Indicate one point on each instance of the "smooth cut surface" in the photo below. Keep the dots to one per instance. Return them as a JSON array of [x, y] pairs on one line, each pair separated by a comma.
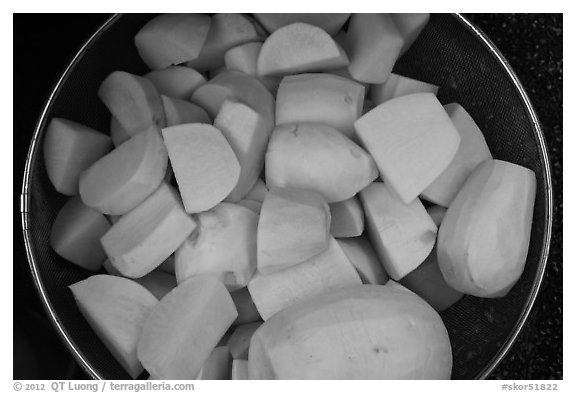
[[330, 23], [218, 365], [240, 369], [347, 218], [181, 112], [239, 341], [159, 283], [258, 192], [177, 81], [361, 254], [398, 86]]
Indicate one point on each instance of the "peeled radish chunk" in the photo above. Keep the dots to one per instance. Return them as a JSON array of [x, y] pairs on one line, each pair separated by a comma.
[[293, 227], [247, 311], [324, 272], [347, 218], [76, 234], [118, 134], [330, 23], [122, 179], [133, 100], [116, 309], [158, 283], [359, 332], [218, 365], [484, 238], [410, 26], [412, 140], [243, 87], [361, 254], [182, 112], [437, 214], [204, 164], [299, 47], [70, 148], [244, 58], [255, 206], [258, 192], [320, 98], [172, 39], [373, 45], [402, 234], [239, 341], [183, 329], [240, 369], [226, 31], [397, 86], [147, 235], [319, 158], [247, 132], [224, 245], [471, 152], [176, 82]]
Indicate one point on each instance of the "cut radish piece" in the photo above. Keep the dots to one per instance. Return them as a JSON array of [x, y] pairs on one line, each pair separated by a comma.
[[218, 366], [116, 309], [244, 58], [319, 158], [240, 369], [299, 47], [330, 23], [410, 26], [437, 214], [247, 311], [320, 98], [122, 179], [373, 45], [224, 245], [412, 140], [76, 234], [70, 148], [239, 341], [176, 82], [361, 254], [248, 132], [183, 329], [484, 238], [324, 272], [118, 133], [255, 206], [204, 164], [172, 39], [471, 152], [258, 192], [226, 31], [133, 101], [182, 112], [110, 269], [293, 227], [403, 235], [158, 283], [147, 235], [347, 218], [398, 86]]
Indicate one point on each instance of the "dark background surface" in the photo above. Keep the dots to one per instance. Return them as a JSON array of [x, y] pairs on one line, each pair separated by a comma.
[[43, 46]]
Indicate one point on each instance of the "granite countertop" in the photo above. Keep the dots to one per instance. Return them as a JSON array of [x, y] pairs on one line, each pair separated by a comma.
[[532, 44]]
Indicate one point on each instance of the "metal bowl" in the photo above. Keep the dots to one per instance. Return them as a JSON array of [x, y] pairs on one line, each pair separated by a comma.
[[450, 52]]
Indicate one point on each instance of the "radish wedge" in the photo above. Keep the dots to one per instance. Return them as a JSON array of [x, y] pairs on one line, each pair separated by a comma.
[[158, 283], [299, 47], [403, 235], [218, 366], [176, 82], [319, 158], [320, 98], [247, 311], [133, 100], [293, 227], [412, 140], [172, 39], [361, 254], [184, 328], [224, 245], [116, 309], [122, 179], [258, 192], [118, 133], [70, 148], [347, 218], [204, 164], [244, 58], [471, 152], [76, 234], [148, 234], [239, 341], [255, 206], [410, 26], [322, 273], [182, 112], [248, 132], [240, 369], [397, 86], [373, 45], [330, 23]]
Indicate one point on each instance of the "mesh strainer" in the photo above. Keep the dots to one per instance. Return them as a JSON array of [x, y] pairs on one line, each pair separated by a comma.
[[450, 52]]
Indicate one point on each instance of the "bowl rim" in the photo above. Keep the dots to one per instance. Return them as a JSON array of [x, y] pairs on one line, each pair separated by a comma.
[[34, 149]]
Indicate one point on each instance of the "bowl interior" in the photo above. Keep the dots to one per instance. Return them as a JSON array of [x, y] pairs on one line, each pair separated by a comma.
[[447, 54]]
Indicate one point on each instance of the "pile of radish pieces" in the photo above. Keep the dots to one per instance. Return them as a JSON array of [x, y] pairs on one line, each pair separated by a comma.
[[255, 211]]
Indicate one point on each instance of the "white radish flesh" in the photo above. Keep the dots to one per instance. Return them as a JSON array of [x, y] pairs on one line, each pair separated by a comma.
[[218, 366], [330, 23], [347, 218], [397, 86], [258, 192], [361, 254], [240, 369], [181, 112], [118, 133], [255, 206], [158, 283], [176, 82], [239, 341]]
